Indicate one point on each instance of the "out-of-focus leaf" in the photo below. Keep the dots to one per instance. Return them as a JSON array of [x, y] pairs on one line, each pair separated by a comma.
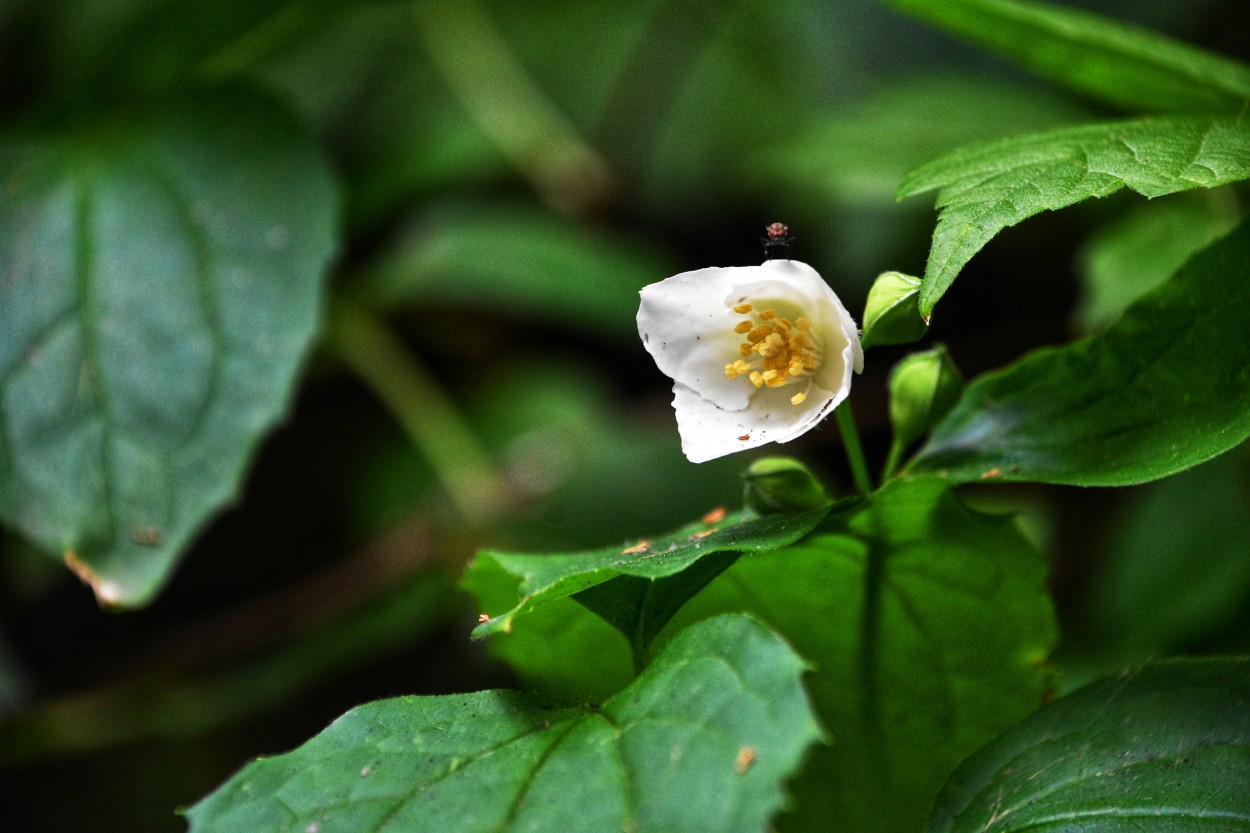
[[702, 740], [1174, 571], [929, 626], [859, 153], [987, 188], [547, 578], [1122, 64], [1121, 262], [1165, 388], [163, 281], [1158, 749], [523, 262]]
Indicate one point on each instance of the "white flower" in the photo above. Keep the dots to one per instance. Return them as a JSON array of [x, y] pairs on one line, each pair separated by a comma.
[[758, 354]]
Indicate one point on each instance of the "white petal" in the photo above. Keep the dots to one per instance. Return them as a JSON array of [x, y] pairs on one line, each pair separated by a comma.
[[688, 330], [708, 432]]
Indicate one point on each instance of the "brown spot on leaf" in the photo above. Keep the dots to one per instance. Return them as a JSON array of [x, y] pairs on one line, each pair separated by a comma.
[[641, 546], [746, 757], [715, 516]]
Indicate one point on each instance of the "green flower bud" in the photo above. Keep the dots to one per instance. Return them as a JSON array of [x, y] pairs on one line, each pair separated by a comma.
[[923, 389], [891, 315], [781, 484]]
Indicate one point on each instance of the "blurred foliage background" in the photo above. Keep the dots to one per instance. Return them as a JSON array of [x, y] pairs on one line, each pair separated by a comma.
[[512, 174]]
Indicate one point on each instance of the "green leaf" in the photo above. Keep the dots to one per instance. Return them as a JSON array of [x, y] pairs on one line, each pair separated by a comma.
[[1118, 63], [928, 625], [1165, 388], [701, 741], [1163, 748], [523, 262], [162, 284], [546, 578], [1121, 262], [858, 153], [1173, 575], [987, 188]]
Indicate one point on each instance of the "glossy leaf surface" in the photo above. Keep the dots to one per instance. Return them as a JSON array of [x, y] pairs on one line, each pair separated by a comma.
[[986, 188], [928, 624], [1165, 388], [547, 578], [1162, 748], [703, 740]]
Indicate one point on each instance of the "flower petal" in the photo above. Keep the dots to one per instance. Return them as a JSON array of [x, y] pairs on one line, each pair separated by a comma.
[[688, 330], [708, 432]]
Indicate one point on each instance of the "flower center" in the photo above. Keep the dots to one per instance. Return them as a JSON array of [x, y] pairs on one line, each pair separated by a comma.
[[776, 352]]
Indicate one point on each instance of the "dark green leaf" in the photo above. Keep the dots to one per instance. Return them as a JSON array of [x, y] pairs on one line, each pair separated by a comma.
[[703, 740], [1163, 748], [928, 624], [987, 188], [546, 578], [162, 283], [521, 261], [1173, 574], [640, 607], [1123, 261], [1119, 63], [1165, 388], [858, 154]]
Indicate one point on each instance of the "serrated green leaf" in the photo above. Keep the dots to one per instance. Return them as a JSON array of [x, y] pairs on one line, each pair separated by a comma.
[[1162, 748], [702, 740], [928, 625], [987, 188], [1165, 388], [1119, 63], [162, 284], [547, 578]]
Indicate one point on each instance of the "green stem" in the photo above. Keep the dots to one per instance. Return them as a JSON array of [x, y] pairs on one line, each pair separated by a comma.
[[892, 460], [483, 72], [854, 451], [418, 403], [258, 43]]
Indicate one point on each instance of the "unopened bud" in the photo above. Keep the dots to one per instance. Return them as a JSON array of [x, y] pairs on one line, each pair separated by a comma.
[[781, 484], [891, 314]]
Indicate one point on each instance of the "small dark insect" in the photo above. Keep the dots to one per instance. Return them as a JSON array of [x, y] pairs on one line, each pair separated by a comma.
[[777, 241]]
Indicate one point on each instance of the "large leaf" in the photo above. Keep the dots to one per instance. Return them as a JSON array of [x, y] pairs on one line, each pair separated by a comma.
[[162, 281], [1164, 748], [679, 560], [701, 741], [987, 188], [1187, 531], [1119, 63], [929, 625], [1165, 388], [1123, 261]]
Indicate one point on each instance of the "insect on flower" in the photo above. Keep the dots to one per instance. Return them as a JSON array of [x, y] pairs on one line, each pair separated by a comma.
[[777, 240]]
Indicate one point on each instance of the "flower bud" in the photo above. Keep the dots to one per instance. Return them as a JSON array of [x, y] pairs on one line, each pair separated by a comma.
[[891, 315], [923, 389], [781, 484]]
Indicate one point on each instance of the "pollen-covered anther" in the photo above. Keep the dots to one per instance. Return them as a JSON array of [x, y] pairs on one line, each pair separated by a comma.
[[777, 350]]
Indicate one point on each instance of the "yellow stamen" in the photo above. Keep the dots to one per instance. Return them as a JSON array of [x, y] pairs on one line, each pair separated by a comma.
[[777, 351]]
